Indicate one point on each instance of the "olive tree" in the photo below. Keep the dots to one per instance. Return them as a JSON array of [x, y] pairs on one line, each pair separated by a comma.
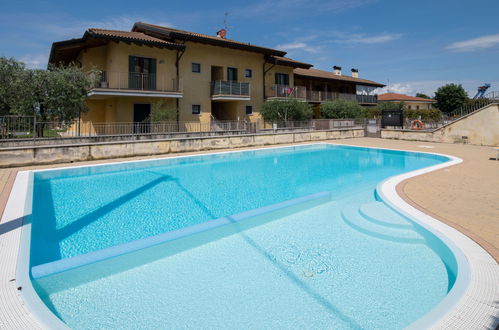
[[284, 110], [341, 109], [58, 93]]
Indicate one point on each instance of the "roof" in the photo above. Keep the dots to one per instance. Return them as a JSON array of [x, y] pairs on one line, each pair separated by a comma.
[[168, 33], [403, 97], [286, 61], [326, 75], [132, 37], [67, 50]]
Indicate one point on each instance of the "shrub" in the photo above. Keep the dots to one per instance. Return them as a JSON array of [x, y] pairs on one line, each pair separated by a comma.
[[371, 112], [161, 111], [341, 109], [391, 106], [284, 110], [425, 115]]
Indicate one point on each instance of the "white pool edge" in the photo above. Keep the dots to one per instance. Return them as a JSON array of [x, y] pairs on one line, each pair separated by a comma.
[[472, 297]]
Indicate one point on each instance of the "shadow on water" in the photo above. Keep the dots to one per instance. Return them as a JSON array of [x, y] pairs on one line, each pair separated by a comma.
[[297, 281], [102, 211], [91, 217]]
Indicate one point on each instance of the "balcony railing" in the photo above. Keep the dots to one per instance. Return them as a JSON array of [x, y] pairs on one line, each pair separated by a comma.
[[321, 96], [367, 98], [137, 81], [284, 91], [230, 88]]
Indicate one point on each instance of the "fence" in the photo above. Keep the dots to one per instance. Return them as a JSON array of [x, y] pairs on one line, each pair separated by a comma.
[[22, 128]]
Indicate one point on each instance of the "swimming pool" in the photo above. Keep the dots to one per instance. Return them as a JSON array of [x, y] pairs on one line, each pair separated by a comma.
[[305, 242]]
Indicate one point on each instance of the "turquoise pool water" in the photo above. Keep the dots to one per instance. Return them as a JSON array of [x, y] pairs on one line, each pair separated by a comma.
[[349, 262]]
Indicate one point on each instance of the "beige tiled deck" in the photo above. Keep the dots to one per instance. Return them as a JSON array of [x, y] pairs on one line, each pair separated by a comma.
[[464, 196]]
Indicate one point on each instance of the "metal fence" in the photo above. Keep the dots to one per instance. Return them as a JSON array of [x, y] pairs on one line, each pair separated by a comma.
[[25, 128]]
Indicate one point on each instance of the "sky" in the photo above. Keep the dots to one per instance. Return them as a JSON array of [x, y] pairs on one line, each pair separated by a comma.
[[412, 46]]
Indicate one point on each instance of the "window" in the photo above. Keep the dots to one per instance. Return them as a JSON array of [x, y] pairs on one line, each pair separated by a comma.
[[232, 74], [248, 73], [141, 72], [249, 109], [196, 67], [282, 79], [417, 107], [409, 107], [196, 109]]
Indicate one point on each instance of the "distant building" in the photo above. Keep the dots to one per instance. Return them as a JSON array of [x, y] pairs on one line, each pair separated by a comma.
[[412, 102]]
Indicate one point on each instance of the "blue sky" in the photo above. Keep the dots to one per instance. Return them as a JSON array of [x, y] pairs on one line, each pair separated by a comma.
[[416, 46]]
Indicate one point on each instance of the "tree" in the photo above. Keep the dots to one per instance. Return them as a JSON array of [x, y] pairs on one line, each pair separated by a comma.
[[424, 96], [284, 110], [450, 97], [391, 106], [58, 93], [11, 77], [341, 109], [160, 111]]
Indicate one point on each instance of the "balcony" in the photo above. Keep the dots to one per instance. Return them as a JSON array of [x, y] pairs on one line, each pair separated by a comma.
[[367, 99], [136, 84], [222, 90], [285, 92], [321, 96]]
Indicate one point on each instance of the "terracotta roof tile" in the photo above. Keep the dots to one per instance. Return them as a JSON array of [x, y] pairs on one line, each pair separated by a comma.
[[402, 97], [131, 36], [288, 61], [314, 73], [168, 32]]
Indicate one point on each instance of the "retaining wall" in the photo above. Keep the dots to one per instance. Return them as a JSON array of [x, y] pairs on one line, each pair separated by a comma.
[[478, 128], [38, 155]]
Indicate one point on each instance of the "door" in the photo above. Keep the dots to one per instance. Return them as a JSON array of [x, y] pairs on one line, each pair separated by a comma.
[[141, 123], [141, 73], [232, 74]]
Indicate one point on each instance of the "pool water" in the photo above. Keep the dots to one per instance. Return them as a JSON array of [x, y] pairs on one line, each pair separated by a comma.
[[349, 262]]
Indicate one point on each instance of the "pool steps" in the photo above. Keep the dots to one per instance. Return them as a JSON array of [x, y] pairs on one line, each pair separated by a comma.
[[377, 220], [169, 243]]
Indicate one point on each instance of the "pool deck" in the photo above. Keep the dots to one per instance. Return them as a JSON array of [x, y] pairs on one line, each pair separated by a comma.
[[463, 196]]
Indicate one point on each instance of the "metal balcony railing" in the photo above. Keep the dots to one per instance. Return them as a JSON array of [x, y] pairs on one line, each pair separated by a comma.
[[137, 81], [285, 91], [367, 98], [229, 88], [322, 96]]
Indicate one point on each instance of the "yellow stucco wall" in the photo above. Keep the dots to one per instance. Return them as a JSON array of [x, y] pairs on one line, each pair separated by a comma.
[[413, 105], [479, 128], [196, 86]]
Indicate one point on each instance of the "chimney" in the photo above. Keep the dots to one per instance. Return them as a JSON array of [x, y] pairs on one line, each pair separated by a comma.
[[355, 73], [222, 33], [337, 70]]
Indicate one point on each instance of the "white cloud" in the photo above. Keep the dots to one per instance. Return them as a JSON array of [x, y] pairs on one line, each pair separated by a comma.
[[475, 44], [75, 28], [429, 87], [36, 61], [368, 39], [293, 45], [297, 46]]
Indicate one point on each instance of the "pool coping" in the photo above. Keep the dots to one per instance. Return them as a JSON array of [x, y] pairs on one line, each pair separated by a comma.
[[473, 304]]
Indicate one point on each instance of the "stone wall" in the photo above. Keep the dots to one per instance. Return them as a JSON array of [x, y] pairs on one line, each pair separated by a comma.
[[38, 155], [478, 128]]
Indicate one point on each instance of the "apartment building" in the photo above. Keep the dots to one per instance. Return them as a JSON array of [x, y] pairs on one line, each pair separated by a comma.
[[195, 77]]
